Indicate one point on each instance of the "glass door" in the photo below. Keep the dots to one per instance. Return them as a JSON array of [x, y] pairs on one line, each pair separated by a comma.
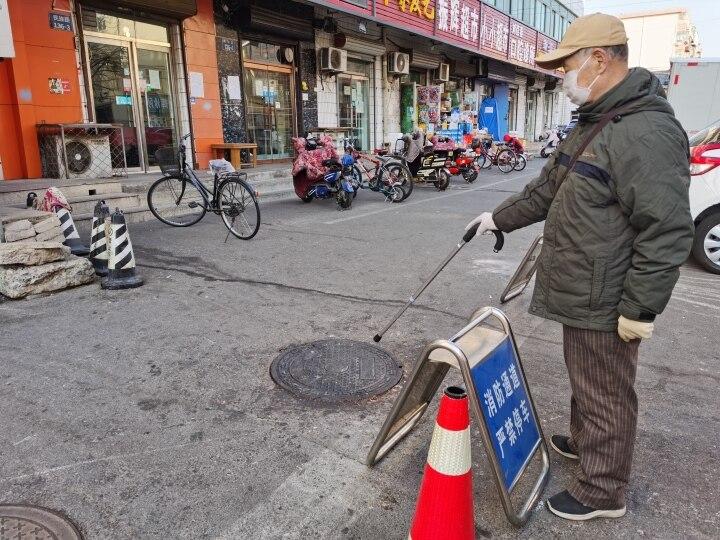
[[131, 82], [530, 112], [114, 93], [153, 66], [353, 104], [269, 109]]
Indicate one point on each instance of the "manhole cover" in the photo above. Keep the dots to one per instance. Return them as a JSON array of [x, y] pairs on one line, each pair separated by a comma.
[[34, 523], [334, 370]]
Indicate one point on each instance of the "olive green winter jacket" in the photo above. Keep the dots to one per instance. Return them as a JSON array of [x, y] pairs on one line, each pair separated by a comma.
[[618, 226]]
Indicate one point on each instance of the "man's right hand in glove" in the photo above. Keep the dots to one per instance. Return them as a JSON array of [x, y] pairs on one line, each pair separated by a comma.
[[485, 224]]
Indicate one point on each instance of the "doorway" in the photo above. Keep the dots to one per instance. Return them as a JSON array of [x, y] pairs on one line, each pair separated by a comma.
[[131, 84], [354, 101], [269, 98], [533, 97]]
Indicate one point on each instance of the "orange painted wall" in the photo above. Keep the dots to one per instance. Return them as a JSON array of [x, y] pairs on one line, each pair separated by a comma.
[[25, 99], [201, 56]]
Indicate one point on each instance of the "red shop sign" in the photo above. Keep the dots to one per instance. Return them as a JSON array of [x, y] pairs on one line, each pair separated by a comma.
[[459, 22], [494, 30], [545, 45], [523, 41], [411, 15]]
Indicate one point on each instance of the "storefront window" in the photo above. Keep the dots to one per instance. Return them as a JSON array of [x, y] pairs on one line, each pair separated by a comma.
[[266, 53], [104, 23], [131, 82], [417, 76]]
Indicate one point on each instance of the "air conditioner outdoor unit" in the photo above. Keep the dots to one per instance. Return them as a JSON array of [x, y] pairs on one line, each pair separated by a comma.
[[87, 157], [442, 73], [333, 60], [399, 63]]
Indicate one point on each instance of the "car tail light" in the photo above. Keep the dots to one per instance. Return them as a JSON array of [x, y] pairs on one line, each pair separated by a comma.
[[704, 158]]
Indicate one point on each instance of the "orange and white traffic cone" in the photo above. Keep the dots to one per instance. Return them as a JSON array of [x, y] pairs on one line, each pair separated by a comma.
[[445, 504]]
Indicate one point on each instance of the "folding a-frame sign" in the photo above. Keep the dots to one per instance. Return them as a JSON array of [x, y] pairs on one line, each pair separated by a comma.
[[499, 398], [524, 272]]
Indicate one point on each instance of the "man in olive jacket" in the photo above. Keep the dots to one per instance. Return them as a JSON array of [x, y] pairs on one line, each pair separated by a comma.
[[617, 227]]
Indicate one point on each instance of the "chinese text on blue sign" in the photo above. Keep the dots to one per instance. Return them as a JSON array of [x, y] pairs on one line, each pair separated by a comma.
[[503, 397]]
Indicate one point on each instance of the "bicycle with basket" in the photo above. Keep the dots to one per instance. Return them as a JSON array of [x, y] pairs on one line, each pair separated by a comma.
[[181, 199]]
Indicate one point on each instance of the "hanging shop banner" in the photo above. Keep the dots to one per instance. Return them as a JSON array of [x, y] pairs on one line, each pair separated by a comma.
[[494, 32], [523, 41], [411, 15], [7, 49], [458, 22]]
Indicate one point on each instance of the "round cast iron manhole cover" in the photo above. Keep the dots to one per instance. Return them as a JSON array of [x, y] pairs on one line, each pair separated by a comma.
[[34, 523], [332, 370]]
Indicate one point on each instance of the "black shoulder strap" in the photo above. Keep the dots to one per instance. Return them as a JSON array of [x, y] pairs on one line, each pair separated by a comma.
[[615, 114]]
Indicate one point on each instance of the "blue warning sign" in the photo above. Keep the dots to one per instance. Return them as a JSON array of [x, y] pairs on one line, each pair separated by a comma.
[[502, 395]]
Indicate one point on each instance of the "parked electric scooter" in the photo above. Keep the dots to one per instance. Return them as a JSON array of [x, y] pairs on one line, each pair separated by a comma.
[[464, 163], [318, 173], [425, 163], [554, 138]]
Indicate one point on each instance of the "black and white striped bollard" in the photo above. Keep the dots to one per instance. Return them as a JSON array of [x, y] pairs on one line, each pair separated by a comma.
[[72, 238], [98, 239], [121, 262]]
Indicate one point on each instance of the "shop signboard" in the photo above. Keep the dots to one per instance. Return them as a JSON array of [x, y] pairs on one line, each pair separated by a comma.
[[545, 45], [523, 41], [7, 49], [494, 32], [416, 16], [458, 22]]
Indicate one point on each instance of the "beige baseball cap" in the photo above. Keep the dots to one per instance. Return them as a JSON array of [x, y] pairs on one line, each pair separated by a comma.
[[596, 30]]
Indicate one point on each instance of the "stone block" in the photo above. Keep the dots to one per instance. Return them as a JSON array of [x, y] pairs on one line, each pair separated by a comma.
[[14, 236], [31, 253], [47, 224], [19, 225], [20, 281], [50, 234]]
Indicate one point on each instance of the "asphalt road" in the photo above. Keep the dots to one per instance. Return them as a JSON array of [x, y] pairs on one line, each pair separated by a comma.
[[150, 413]]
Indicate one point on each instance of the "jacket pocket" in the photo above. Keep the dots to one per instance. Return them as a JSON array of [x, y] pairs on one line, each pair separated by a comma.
[[598, 281]]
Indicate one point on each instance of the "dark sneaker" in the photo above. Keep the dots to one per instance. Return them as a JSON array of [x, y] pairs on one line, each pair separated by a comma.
[[566, 506], [560, 444]]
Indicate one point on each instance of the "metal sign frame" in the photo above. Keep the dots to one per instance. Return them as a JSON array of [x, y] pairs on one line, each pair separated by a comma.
[[524, 272], [423, 384]]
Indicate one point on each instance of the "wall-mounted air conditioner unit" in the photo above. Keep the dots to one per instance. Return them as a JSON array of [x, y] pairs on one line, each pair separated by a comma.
[[88, 156], [333, 60], [398, 63], [442, 73]]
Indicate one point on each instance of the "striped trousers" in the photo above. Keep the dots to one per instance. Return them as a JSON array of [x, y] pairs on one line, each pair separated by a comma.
[[603, 413]]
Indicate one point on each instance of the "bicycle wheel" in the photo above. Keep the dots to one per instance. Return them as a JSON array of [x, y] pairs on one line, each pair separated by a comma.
[[506, 160], [484, 161], [521, 162], [239, 208], [399, 173], [176, 201]]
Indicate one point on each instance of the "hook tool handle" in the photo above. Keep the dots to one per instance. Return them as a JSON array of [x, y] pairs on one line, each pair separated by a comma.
[[499, 237]]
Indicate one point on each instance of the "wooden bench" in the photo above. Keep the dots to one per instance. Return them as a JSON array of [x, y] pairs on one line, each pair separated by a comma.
[[235, 150]]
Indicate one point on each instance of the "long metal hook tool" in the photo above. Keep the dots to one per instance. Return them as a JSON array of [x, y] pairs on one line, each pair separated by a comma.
[[469, 235]]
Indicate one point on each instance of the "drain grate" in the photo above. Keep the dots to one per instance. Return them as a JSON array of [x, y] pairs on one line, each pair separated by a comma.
[[334, 370], [34, 523]]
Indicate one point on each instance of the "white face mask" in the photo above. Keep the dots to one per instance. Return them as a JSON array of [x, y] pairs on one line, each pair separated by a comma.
[[576, 93]]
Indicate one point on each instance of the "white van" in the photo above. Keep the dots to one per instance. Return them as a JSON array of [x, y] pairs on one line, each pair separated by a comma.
[[705, 196]]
